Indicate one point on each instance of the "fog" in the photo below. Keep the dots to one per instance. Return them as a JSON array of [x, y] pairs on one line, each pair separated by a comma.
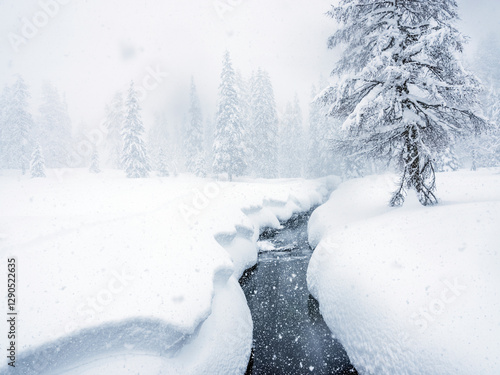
[[90, 49]]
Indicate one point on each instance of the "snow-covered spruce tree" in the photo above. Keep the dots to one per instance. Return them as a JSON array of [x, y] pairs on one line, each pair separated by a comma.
[[208, 142], [175, 145], [115, 114], [243, 90], [54, 128], [485, 61], [135, 159], [483, 149], [447, 161], [264, 123], [488, 144], [37, 165], [193, 145], [402, 93], [321, 159], [94, 162], [162, 163], [314, 167], [229, 150], [158, 143], [291, 141], [478, 149], [18, 127]]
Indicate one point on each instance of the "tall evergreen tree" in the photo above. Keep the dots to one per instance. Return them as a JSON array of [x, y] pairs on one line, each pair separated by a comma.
[[322, 160], [159, 145], [115, 116], [54, 128], [229, 150], [162, 163], [208, 144], [135, 159], [194, 136], [243, 90], [485, 61], [264, 123], [18, 127], [291, 141], [314, 161], [402, 93], [484, 148], [37, 165], [94, 162], [488, 145]]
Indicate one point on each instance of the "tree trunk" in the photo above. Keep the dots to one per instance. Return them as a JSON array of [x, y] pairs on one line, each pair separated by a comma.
[[418, 173], [412, 162], [474, 158]]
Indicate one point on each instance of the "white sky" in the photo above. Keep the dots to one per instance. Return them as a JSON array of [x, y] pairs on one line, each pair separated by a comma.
[[91, 48]]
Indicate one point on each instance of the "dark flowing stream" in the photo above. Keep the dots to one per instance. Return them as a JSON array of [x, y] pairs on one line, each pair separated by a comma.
[[290, 335]]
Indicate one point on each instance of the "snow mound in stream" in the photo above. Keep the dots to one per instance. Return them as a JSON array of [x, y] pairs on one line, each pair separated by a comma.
[[412, 290]]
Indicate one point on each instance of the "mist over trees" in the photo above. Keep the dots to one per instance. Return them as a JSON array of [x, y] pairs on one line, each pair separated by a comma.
[[484, 148], [115, 116], [16, 132], [20, 132], [321, 158], [54, 128], [159, 145], [399, 98], [291, 144], [194, 136]]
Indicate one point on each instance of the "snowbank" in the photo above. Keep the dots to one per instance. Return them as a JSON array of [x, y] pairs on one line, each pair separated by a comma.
[[412, 290], [137, 276]]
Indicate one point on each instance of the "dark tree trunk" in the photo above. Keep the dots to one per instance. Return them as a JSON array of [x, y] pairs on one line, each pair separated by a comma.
[[412, 162], [474, 154], [418, 173]]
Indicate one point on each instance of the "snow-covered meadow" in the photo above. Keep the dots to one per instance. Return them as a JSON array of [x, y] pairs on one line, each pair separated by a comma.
[[412, 290], [141, 276], [135, 276]]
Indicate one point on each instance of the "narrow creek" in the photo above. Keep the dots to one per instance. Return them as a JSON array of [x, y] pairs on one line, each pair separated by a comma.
[[290, 336]]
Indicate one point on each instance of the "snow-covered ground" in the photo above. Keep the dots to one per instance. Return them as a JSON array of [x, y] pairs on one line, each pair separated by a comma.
[[130, 276], [412, 290]]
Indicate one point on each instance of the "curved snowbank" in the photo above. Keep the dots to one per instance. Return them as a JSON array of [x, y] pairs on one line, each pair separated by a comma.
[[412, 290], [111, 267]]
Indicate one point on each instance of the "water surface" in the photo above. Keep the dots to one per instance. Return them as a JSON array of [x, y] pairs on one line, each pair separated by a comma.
[[290, 335]]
